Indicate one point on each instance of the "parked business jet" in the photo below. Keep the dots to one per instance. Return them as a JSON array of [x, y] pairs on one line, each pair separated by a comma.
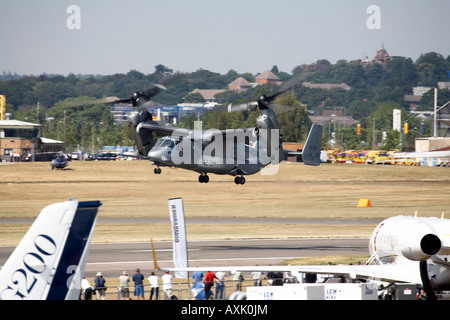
[[49, 262], [404, 249]]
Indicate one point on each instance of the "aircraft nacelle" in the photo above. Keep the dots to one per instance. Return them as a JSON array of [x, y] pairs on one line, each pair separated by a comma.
[[144, 142], [409, 237]]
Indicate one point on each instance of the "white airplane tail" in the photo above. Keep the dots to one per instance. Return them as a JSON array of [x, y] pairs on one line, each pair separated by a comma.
[[49, 262]]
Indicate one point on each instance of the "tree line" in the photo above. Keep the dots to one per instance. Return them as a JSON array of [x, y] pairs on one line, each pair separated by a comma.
[[375, 91]]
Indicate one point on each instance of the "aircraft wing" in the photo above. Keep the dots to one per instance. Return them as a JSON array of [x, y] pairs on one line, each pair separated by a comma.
[[162, 130], [203, 135], [240, 134], [385, 272], [49, 262]]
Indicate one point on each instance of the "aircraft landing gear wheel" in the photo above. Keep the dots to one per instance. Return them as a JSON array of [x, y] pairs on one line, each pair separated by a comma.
[[203, 178], [157, 171], [239, 180]]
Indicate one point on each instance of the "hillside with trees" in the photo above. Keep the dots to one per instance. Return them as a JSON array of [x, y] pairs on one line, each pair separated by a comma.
[[375, 90]]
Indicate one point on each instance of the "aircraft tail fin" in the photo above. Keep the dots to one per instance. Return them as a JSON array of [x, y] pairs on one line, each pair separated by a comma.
[[313, 145], [49, 262]]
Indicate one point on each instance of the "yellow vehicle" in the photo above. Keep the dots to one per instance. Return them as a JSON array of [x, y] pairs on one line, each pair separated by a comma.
[[360, 158], [332, 155], [350, 156], [377, 157], [406, 162]]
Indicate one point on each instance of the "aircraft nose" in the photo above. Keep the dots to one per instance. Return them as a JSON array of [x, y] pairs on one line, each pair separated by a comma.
[[159, 154]]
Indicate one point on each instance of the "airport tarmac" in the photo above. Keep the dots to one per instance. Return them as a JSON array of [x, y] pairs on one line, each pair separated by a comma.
[[216, 220], [112, 258]]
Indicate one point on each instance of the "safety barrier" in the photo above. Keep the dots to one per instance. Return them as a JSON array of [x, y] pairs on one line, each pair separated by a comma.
[[180, 290]]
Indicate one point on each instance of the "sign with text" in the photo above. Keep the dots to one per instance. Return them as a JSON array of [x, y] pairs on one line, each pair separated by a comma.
[[180, 258]]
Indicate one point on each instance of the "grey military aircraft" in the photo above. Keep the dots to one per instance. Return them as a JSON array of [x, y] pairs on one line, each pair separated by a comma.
[[235, 152]]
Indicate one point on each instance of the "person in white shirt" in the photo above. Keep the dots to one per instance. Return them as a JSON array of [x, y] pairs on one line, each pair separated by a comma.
[[153, 279], [220, 284], [167, 285], [85, 285], [257, 278]]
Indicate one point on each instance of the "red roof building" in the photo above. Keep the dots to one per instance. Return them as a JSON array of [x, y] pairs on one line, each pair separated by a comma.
[[267, 77]]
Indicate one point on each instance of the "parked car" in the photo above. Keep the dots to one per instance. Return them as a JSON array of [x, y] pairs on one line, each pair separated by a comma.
[[75, 156], [90, 156], [106, 156]]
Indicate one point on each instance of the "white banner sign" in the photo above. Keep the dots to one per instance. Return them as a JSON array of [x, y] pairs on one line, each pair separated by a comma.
[[180, 258]]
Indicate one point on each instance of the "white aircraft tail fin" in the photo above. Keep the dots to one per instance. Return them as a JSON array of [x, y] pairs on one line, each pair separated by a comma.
[[49, 262]]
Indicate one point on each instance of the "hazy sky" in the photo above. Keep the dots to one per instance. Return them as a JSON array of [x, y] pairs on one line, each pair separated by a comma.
[[186, 35]]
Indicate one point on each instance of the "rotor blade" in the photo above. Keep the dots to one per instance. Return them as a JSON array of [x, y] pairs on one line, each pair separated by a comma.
[[144, 98], [153, 91], [278, 109], [275, 95], [168, 80], [286, 87], [75, 104], [127, 101], [250, 106]]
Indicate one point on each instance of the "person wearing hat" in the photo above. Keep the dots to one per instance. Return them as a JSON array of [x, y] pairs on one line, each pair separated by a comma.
[[100, 286], [124, 279]]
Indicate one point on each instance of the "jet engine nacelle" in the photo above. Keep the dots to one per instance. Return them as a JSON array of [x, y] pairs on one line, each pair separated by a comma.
[[412, 238]]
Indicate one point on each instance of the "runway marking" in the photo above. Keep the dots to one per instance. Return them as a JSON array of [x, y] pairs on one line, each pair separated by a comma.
[[156, 250], [194, 260]]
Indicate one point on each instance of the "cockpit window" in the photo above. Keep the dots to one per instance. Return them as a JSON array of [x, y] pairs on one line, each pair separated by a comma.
[[165, 143]]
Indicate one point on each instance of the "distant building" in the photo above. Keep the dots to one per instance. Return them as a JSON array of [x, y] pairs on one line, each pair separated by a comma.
[[316, 67], [336, 117], [208, 94], [382, 57], [433, 144], [51, 146], [239, 85], [420, 91], [326, 86], [444, 85], [20, 139], [267, 77], [413, 101], [120, 112]]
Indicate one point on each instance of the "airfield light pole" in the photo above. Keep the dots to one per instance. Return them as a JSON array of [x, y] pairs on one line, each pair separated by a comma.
[[374, 136], [64, 128], [435, 113]]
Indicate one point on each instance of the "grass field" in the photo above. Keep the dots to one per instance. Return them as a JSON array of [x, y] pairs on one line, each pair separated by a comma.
[[130, 189]]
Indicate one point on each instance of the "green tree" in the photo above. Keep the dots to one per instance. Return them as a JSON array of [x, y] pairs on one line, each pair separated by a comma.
[[392, 140], [291, 121]]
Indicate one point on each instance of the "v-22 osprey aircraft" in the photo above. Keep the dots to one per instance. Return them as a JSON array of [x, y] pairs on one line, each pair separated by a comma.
[[236, 152]]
